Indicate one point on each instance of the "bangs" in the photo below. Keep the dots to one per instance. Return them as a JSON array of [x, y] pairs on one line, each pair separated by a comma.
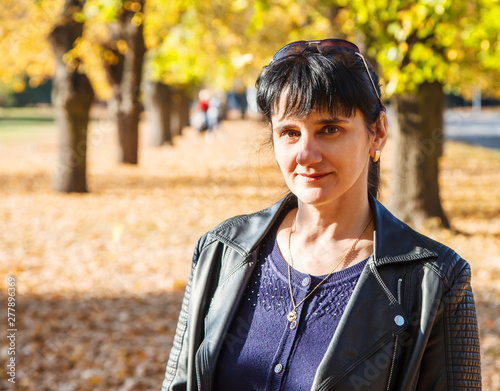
[[310, 81]]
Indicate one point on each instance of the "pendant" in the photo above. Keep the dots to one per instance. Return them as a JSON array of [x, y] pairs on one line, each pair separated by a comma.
[[292, 316]]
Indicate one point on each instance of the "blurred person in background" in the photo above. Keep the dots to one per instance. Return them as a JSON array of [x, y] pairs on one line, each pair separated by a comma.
[[326, 289], [213, 115], [199, 120], [240, 94]]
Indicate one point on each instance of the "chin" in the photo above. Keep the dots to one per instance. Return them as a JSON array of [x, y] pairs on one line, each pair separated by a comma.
[[313, 196]]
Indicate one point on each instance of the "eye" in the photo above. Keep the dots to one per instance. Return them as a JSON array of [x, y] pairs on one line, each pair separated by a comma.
[[331, 129], [290, 133]]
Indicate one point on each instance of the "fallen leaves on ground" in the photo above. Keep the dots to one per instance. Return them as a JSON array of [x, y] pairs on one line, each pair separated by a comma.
[[100, 276]]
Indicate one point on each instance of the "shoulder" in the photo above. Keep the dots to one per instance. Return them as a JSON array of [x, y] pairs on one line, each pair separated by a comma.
[[447, 264], [244, 232], [398, 243]]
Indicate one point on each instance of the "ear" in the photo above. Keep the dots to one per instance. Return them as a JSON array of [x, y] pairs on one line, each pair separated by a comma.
[[379, 139]]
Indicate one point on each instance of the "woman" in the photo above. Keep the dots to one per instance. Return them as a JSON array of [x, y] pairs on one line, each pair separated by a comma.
[[325, 290]]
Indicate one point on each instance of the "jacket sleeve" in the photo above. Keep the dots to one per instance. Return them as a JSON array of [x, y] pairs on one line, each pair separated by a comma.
[[176, 372], [463, 362], [458, 341]]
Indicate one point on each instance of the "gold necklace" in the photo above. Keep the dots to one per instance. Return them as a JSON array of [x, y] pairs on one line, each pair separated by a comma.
[[292, 315]]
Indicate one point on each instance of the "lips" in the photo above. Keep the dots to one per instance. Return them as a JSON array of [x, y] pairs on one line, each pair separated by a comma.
[[313, 177]]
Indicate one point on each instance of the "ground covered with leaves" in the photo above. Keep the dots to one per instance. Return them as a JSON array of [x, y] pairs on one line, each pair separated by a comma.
[[100, 276]]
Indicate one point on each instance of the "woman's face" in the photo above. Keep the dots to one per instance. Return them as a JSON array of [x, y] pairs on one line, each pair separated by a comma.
[[324, 158]]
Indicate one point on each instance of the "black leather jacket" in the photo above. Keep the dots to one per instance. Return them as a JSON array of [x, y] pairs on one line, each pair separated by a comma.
[[409, 325]]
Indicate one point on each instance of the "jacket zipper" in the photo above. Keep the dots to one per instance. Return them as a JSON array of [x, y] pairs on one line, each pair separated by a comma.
[[400, 282], [392, 364]]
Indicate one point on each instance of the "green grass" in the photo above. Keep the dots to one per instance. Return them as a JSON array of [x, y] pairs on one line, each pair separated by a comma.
[[25, 123], [27, 113]]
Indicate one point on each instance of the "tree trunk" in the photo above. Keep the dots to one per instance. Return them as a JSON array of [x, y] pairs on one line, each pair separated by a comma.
[[179, 117], [72, 96], [159, 109], [418, 139], [336, 30], [124, 73]]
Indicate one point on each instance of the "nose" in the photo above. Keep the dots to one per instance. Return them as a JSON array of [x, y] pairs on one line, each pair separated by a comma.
[[309, 152]]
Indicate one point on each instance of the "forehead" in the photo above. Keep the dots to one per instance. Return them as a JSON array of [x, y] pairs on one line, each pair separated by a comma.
[[297, 106], [283, 110]]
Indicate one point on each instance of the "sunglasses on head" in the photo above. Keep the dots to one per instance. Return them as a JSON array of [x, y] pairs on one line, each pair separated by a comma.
[[328, 48]]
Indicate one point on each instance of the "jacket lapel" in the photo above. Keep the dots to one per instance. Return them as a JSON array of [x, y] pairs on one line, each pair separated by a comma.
[[226, 299], [222, 309], [242, 241], [367, 324], [369, 320]]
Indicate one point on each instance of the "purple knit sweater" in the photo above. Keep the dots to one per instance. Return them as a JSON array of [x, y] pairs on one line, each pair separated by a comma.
[[262, 349]]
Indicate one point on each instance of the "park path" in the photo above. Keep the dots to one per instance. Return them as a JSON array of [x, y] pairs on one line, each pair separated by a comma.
[[474, 127], [480, 128]]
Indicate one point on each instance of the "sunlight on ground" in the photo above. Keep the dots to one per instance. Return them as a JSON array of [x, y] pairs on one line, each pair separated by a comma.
[[130, 240]]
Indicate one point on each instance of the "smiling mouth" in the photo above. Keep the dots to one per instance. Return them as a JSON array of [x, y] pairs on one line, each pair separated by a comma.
[[313, 177]]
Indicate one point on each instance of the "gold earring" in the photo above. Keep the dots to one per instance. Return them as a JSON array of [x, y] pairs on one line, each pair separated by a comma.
[[376, 157]]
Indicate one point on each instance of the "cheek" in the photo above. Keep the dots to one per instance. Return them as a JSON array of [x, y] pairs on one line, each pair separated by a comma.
[[279, 159], [284, 157]]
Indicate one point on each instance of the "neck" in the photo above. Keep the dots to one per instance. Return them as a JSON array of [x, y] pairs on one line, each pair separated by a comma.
[[331, 230], [340, 221]]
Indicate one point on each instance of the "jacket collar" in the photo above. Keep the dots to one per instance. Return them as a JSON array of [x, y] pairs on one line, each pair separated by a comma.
[[393, 240], [245, 233]]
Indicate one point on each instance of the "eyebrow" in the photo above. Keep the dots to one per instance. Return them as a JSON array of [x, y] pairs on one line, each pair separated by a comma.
[[321, 121], [329, 120]]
